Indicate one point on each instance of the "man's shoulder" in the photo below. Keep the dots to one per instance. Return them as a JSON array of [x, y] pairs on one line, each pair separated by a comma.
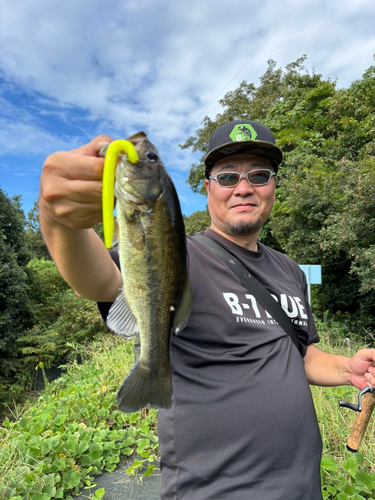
[[280, 257]]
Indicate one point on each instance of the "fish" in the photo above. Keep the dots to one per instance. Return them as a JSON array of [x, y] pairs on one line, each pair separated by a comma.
[[155, 299]]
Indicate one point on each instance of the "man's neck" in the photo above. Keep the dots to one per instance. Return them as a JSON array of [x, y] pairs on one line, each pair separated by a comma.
[[246, 241]]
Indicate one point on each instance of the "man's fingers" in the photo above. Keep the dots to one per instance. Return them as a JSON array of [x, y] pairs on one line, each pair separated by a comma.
[[74, 166], [92, 148]]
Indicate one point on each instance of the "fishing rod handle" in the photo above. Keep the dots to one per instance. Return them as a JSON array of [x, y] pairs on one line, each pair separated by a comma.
[[361, 422]]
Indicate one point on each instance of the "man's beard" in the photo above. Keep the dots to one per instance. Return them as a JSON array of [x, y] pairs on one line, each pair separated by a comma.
[[245, 228]]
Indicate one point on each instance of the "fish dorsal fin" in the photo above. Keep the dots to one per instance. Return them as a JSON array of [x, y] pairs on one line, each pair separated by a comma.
[[182, 310], [120, 319]]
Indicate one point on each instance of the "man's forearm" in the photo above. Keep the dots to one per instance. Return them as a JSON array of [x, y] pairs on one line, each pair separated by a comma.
[[326, 369], [83, 261]]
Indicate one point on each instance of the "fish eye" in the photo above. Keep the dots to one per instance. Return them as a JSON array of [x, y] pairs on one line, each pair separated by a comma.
[[152, 156]]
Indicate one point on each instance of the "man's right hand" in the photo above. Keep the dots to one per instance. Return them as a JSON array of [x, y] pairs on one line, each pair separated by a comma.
[[71, 186]]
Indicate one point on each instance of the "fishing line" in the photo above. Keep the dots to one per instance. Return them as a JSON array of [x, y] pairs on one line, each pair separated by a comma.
[[247, 62]]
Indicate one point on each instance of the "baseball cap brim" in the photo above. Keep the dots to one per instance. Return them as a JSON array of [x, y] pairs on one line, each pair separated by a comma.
[[261, 148]]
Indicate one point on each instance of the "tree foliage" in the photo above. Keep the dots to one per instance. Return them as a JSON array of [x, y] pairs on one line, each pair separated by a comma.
[[14, 256], [197, 221], [325, 203], [33, 234]]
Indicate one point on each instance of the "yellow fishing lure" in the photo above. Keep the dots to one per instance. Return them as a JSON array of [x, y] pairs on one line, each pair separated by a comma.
[[108, 196]]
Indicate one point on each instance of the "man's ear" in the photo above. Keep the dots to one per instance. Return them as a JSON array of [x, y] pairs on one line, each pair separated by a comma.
[[274, 196], [207, 185]]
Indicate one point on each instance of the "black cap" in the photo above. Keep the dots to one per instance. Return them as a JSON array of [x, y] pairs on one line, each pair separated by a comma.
[[242, 136]]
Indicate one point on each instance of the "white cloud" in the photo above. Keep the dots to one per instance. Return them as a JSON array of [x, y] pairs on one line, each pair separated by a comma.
[[119, 66]]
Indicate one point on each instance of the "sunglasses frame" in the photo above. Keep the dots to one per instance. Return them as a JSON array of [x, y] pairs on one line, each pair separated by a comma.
[[241, 176]]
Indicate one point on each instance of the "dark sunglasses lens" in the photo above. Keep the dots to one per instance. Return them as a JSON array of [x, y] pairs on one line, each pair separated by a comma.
[[228, 179], [259, 177]]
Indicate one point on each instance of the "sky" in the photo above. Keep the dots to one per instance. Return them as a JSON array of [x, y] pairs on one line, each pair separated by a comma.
[[73, 69]]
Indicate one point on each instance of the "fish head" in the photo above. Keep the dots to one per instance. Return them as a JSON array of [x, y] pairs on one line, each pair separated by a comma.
[[140, 184]]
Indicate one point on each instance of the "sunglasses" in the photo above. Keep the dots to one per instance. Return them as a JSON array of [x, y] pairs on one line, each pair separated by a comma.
[[254, 177]]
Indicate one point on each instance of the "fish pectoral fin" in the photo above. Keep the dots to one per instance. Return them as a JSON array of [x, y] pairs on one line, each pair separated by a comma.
[[182, 310], [120, 319]]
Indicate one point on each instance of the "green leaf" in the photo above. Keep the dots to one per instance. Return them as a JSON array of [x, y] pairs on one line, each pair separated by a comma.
[[45, 446], [99, 493], [127, 451], [350, 466], [331, 489], [149, 470], [103, 413], [75, 478], [60, 419], [350, 490], [95, 446], [6, 423], [42, 496], [360, 458], [71, 444], [23, 423], [60, 493], [95, 455], [366, 479], [86, 460], [82, 447], [58, 465], [329, 463]]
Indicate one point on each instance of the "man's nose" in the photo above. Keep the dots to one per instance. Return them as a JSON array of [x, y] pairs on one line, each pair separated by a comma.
[[244, 185]]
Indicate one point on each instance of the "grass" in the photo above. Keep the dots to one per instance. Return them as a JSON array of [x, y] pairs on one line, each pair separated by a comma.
[[74, 432], [56, 445]]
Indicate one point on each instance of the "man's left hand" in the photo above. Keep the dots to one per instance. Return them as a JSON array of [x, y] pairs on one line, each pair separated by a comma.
[[361, 368]]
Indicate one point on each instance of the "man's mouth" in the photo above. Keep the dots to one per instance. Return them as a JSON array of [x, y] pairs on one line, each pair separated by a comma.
[[243, 206]]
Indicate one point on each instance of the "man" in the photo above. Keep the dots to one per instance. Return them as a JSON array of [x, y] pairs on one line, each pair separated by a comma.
[[242, 423]]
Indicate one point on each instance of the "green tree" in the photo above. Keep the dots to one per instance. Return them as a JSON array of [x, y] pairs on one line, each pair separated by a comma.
[[197, 221], [15, 312], [33, 234]]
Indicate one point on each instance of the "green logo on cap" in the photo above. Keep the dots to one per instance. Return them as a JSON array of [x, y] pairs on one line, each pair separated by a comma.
[[243, 132]]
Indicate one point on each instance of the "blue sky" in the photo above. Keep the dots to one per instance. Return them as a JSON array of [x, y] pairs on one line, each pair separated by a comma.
[[70, 70]]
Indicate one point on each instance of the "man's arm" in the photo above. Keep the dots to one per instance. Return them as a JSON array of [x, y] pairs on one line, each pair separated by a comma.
[[329, 370], [69, 206]]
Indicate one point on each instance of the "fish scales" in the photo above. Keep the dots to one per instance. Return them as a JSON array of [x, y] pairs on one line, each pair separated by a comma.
[[149, 278], [152, 250]]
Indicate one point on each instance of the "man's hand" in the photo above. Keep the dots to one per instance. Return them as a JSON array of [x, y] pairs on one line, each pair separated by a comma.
[[361, 368], [71, 186]]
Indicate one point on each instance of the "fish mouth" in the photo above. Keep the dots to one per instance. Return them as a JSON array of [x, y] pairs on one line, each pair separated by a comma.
[[137, 203]]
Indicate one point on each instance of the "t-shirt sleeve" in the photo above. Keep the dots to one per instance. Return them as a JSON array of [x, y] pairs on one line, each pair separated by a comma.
[[104, 307]]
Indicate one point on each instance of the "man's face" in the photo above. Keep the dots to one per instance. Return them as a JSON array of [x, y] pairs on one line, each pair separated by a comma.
[[243, 209]]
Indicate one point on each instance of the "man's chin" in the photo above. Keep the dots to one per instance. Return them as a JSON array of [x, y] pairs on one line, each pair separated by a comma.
[[244, 228]]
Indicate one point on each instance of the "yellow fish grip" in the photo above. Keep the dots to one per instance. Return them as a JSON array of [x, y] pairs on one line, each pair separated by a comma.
[[108, 196]]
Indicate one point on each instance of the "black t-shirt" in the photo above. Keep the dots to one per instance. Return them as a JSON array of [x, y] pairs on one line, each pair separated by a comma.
[[242, 424]]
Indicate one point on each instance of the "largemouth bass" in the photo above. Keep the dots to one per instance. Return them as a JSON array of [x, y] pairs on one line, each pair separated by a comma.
[[155, 298]]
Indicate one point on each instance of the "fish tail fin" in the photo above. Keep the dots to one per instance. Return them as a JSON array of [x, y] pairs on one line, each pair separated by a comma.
[[144, 388]]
